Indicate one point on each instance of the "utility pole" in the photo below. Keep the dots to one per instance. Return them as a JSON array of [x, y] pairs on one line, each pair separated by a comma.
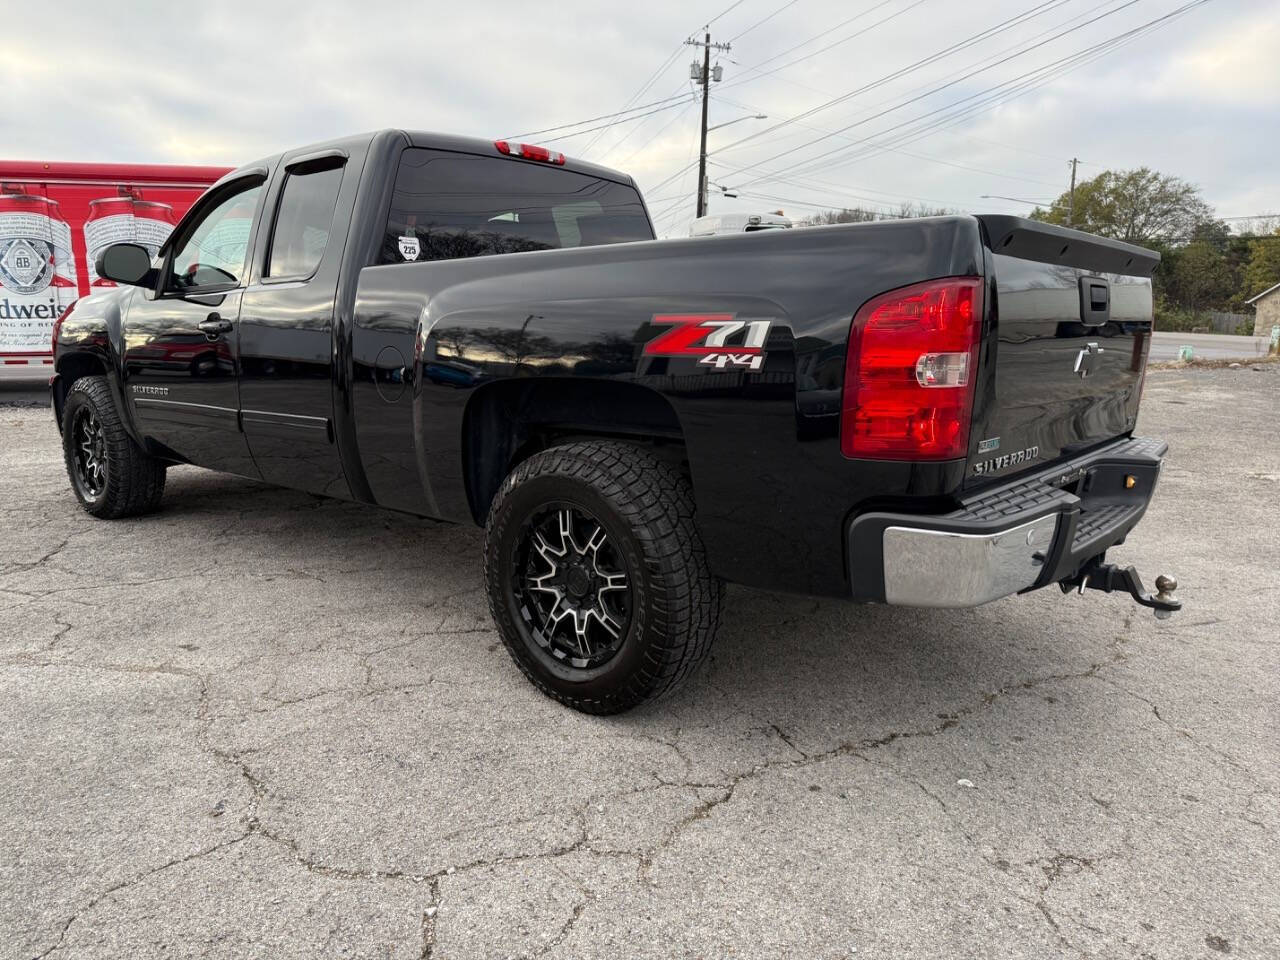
[[704, 75], [1071, 200]]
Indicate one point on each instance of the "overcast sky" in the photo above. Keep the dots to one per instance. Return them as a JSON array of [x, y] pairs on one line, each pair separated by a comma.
[[226, 83]]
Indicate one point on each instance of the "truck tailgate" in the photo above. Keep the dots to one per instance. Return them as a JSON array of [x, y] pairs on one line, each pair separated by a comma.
[[1063, 373]]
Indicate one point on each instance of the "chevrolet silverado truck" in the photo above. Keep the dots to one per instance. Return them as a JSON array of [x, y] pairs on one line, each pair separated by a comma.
[[934, 412]]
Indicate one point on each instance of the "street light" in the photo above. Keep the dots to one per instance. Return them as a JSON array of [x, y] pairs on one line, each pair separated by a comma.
[[754, 116]]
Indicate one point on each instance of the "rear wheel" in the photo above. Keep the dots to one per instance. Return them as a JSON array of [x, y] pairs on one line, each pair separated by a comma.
[[597, 577], [110, 474]]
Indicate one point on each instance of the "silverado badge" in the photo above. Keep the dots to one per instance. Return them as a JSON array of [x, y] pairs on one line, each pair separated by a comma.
[[1008, 460]]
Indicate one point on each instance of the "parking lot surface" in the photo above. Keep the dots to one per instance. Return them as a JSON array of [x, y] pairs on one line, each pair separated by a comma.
[[263, 724]]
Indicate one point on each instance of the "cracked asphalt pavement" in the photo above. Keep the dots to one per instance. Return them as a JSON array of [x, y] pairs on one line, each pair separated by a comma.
[[263, 724]]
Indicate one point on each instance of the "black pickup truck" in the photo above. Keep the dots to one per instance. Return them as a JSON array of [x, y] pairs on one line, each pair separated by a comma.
[[932, 412]]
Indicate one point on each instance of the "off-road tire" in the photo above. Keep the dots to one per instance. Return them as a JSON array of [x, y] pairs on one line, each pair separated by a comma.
[[134, 480], [675, 601]]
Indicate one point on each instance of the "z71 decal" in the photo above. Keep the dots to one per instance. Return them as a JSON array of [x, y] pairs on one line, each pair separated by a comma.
[[707, 336]]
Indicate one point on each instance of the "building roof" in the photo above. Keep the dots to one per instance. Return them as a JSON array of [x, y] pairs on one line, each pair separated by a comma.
[[1265, 293]]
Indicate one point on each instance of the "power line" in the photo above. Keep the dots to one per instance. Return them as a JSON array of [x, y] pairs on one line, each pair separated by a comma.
[[809, 205], [926, 60], [918, 156], [674, 206], [650, 140], [677, 173], [837, 189], [926, 127], [987, 59], [760, 23], [653, 77], [662, 183], [729, 9], [1018, 87], [1054, 64], [671, 58], [827, 204], [817, 36], [1048, 72], [1004, 92], [880, 146], [837, 43], [1011, 146], [991, 59], [606, 126], [1034, 11], [578, 123]]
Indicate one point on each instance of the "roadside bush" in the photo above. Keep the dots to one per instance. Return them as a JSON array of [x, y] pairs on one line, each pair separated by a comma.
[[1180, 319]]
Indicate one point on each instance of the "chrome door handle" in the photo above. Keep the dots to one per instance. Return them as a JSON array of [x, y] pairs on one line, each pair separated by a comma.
[[214, 325]]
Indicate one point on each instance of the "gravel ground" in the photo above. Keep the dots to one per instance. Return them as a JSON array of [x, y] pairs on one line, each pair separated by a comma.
[[262, 724]]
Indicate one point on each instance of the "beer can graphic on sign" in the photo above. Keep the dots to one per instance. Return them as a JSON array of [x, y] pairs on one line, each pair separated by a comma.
[[125, 218], [37, 270]]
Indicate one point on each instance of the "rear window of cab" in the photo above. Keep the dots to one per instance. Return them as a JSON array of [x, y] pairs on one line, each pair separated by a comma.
[[451, 205]]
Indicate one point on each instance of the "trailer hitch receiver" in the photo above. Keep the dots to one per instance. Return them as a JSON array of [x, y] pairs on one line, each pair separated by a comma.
[[1109, 578]]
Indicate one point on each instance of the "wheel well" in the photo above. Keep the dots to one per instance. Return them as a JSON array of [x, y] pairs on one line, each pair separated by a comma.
[[507, 422], [71, 368]]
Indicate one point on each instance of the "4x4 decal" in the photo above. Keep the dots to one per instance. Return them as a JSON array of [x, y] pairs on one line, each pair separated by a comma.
[[707, 336]]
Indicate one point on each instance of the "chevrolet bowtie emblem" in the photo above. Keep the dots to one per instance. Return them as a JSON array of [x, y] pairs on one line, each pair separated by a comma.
[[1086, 359]]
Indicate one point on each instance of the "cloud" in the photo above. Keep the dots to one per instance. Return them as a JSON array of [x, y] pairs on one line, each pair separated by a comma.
[[1238, 65], [227, 83]]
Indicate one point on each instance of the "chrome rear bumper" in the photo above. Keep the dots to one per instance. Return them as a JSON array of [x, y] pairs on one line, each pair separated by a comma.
[[940, 568], [1028, 533]]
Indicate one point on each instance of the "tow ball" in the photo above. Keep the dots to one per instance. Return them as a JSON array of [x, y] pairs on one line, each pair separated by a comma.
[[1109, 578]]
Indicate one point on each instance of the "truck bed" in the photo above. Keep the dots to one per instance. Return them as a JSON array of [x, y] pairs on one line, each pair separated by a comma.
[[763, 446]]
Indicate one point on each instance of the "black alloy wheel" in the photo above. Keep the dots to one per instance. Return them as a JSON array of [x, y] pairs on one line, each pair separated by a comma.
[[111, 475], [88, 454], [598, 579], [573, 585]]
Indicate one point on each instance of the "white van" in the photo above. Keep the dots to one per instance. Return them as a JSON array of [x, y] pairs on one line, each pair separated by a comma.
[[723, 223]]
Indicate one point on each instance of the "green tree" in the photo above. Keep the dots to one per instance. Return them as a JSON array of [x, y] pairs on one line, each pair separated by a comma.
[[1138, 206], [1198, 277], [1262, 272]]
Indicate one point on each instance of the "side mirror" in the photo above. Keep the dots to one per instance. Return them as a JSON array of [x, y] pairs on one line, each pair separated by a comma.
[[126, 263]]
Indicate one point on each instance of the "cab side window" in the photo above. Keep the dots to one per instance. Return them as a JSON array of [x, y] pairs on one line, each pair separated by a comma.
[[215, 252], [303, 220]]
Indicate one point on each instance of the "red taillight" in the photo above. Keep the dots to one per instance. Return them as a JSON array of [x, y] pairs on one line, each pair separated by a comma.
[[529, 152], [909, 374]]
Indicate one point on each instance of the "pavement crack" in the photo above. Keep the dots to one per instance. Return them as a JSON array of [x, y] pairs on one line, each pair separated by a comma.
[[429, 920], [563, 933], [787, 740], [1182, 732], [701, 812], [132, 881], [21, 566]]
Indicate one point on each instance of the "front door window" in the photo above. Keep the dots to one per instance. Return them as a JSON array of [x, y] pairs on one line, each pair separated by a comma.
[[215, 252]]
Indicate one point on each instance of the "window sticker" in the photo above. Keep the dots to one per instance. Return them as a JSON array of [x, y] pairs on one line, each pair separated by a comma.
[[410, 247]]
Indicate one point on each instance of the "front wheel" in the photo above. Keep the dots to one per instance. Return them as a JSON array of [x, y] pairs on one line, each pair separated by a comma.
[[597, 577], [111, 475]]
